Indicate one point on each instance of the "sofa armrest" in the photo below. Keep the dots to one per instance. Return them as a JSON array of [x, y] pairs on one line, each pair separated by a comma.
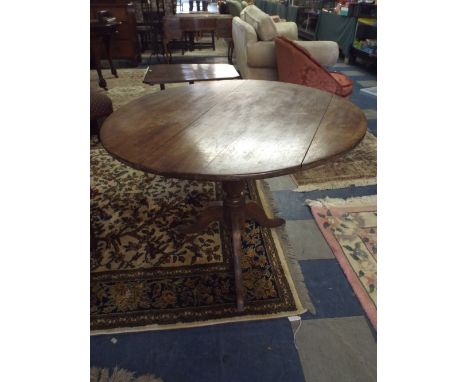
[[325, 52], [261, 54], [287, 29]]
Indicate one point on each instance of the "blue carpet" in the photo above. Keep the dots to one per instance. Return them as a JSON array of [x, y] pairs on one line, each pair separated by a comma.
[[363, 100], [329, 289], [291, 205], [372, 126], [250, 351]]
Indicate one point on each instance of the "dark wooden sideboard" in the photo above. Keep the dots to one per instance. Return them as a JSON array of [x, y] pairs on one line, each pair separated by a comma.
[[125, 45], [176, 26]]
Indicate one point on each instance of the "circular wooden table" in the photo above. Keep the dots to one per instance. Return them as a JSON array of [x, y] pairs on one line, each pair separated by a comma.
[[233, 131]]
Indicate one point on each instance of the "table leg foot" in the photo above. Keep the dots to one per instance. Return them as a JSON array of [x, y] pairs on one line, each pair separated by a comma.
[[255, 212], [207, 216], [102, 81]]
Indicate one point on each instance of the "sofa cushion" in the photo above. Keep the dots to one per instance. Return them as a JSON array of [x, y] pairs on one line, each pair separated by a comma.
[[261, 54], [296, 66], [260, 21]]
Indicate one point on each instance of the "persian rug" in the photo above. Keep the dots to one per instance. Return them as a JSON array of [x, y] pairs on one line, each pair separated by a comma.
[[358, 167], [350, 228], [119, 375], [146, 276]]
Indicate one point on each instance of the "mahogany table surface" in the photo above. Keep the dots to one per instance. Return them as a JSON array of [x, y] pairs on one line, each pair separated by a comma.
[[173, 73], [232, 130]]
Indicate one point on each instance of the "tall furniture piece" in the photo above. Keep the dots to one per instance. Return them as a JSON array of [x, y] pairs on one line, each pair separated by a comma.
[[155, 20], [365, 41], [125, 44], [102, 35], [143, 29], [149, 15], [365, 36]]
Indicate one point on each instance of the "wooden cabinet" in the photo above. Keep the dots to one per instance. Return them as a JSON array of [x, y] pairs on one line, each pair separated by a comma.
[[125, 44]]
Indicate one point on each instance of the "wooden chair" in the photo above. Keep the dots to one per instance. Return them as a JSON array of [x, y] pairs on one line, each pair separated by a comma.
[[143, 29], [101, 37]]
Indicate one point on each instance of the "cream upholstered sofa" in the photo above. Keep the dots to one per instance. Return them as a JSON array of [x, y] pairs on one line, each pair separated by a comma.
[[254, 35]]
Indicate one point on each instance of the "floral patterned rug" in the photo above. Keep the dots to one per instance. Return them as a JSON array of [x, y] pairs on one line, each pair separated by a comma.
[[358, 167], [350, 228], [120, 375], [146, 276]]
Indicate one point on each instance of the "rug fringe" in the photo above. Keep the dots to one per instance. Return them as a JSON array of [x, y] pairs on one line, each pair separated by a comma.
[[292, 260], [119, 375], [337, 202], [336, 184]]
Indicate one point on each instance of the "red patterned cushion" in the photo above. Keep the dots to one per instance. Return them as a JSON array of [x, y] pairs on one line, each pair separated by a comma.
[[295, 65], [346, 85]]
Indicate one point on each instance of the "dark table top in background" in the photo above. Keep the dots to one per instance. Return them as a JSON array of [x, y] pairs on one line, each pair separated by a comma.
[[172, 73]]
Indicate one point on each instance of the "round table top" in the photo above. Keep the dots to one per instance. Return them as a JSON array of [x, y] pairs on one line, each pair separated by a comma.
[[232, 130]]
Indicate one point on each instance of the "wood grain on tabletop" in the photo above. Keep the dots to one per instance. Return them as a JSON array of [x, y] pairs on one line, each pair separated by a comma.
[[232, 130]]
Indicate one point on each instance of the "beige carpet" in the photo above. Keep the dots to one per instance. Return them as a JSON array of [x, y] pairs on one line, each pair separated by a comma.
[[357, 167]]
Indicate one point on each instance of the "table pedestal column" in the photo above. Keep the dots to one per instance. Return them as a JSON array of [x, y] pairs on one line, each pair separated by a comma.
[[234, 212]]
